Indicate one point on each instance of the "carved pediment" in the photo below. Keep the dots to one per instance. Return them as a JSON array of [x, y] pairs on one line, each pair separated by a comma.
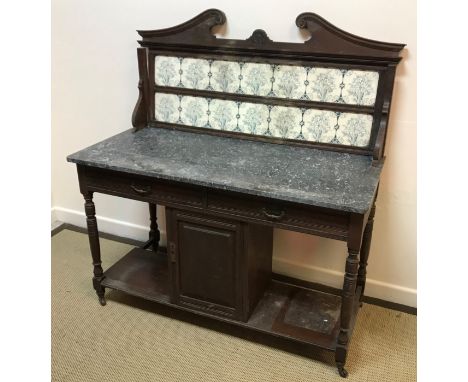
[[326, 37], [326, 40]]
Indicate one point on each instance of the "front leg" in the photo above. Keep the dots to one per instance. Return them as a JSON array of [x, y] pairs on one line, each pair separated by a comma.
[[365, 248], [349, 291], [93, 236], [347, 302], [154, 234]]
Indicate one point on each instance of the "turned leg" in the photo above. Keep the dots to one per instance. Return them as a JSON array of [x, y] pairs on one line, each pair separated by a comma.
[[154, 234], [365, 247], [93, 236], [349, 289]]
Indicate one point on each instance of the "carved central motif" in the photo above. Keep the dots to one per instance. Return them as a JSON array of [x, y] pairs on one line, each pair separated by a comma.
[[259, 37]]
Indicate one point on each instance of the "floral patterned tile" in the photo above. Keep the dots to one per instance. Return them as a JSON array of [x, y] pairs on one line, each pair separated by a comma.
[[225, 76], [355, 129], [166, 108], [256, 79], [253, 118], [324, 84], [354, 87], [194, 111], [285, 122], [289, 81], [223, 115], [360, 87], [319, 125], [166, 71], [195, 73], [312, 125]]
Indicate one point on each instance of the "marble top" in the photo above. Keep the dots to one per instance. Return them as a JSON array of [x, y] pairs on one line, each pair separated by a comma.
[[303, 175]]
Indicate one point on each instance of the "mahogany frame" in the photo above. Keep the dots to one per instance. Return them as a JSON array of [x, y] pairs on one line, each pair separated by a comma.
[[328, 46]]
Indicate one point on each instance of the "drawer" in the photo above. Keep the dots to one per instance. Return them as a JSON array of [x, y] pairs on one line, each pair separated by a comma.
[[282, 215], [141, 188]]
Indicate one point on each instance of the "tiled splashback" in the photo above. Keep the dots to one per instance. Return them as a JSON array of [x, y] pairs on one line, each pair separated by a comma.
[[354, 87], [265, 120]]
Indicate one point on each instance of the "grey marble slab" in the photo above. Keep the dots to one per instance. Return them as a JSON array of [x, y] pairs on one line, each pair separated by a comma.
[[303, 175]]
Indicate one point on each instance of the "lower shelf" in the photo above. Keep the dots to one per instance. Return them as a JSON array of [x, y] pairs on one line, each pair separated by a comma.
[[287, 311]]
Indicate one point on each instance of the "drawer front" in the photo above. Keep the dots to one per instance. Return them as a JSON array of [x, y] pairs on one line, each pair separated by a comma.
[[142, 188], [282, 215]]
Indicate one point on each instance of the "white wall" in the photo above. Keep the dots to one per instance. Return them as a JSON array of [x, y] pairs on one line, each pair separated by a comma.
[[94, 89]]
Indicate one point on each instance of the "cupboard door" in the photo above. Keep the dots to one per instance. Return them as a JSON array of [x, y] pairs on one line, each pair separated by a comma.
[[206, 263]]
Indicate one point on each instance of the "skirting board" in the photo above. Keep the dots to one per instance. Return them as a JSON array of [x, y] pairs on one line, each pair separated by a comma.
[[105, 224], [329, 277], [374, 288]]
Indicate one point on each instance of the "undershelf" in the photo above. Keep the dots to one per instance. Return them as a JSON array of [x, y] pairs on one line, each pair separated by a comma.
[[285, 311]]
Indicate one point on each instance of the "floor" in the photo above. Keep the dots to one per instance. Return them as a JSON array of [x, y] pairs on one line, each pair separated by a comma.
[[127, 341]]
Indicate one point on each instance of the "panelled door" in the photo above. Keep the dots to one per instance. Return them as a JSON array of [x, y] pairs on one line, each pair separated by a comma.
[[205, 256]]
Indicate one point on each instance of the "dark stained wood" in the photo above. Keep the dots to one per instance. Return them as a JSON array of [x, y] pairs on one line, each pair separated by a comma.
[[93, 235], [218, 266], [247, 208], [387, 103], [206, 266], [140, 116], [144, 274], [218, 262], [263, 100], [320, 221], [306, 60], [258, 249], [327, 41], [349, 294], [297, 322], [142, 188], [384, 99], [154, 234], [365, 249]]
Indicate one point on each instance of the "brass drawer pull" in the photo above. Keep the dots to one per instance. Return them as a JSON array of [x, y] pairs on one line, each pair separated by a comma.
[[274, 215], [142, 190]]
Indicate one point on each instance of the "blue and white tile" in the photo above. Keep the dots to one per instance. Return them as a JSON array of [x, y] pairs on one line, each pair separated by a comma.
[[360, 87], [256, 79], [324, 84], [195, 73], [194, 111], [166, 107], [285, 122], [289, 81], [223, 114], [166, 71], [225, 76], [253, 118], [319, 125], [355, 129]]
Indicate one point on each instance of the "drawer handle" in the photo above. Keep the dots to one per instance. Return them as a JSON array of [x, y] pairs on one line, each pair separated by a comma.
[[274, 215], [142, 190]]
